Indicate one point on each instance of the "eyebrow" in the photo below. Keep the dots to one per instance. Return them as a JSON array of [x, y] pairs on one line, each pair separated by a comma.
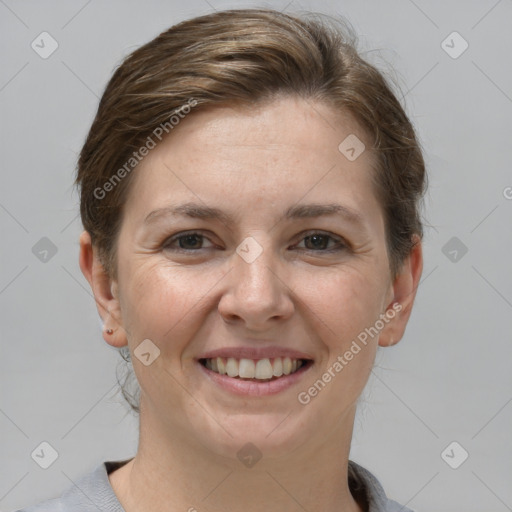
[[300, 211]]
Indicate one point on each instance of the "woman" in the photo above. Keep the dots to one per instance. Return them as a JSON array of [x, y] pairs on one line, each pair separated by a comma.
[[250, 193]]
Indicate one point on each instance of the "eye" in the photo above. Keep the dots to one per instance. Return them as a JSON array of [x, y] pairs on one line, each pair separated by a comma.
[[318, 242], [187, 242]]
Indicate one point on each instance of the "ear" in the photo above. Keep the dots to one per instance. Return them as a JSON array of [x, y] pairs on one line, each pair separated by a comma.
[[403, 293], [105, 292]]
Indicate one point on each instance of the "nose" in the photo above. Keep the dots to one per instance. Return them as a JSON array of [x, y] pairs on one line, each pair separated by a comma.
[[257, 294]]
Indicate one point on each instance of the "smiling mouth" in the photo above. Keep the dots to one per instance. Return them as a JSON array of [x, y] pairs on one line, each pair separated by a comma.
[[262, 370]]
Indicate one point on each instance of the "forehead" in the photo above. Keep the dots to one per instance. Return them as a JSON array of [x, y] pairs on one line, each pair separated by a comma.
[[256, 157]]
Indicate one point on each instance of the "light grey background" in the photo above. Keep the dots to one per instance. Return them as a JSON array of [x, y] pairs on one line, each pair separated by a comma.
[[448, 380]]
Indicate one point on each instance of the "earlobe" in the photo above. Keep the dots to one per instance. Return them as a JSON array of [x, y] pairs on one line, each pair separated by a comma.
[[389, 335], [104, 290], [115, 337]]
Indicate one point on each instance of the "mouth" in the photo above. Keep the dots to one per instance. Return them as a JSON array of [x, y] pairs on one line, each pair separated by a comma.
[[258, 370], [254, 377]]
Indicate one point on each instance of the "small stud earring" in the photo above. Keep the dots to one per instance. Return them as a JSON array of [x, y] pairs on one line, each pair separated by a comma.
[[109, 331]]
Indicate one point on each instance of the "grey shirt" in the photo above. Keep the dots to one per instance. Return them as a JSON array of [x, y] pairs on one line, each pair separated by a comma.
[[93, 492]]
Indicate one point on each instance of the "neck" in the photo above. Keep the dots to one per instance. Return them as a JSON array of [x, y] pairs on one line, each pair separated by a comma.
[[171, 472]]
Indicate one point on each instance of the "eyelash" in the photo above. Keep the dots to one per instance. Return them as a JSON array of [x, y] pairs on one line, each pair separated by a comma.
[[175, 238]]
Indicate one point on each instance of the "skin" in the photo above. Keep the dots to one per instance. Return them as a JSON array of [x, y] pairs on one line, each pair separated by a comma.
[[254, 164]]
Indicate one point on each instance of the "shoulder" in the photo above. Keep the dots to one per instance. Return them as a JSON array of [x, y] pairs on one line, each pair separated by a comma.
[[364, 483], [90, 493]]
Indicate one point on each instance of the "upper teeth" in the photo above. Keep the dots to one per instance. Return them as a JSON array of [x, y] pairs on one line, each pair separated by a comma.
[[253, 369]]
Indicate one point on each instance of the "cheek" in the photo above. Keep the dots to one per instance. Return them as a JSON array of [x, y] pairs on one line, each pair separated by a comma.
[[347, 300], [342, 305], [347, 304], [162, 302]]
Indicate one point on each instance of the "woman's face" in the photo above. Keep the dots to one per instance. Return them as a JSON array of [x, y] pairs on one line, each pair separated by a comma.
[[267, 278]]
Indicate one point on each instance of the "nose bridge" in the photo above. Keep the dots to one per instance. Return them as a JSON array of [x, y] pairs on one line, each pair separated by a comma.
[[256, 293], [255, 264]]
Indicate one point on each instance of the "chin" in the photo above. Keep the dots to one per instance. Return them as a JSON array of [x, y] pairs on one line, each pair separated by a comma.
[[265, 435]]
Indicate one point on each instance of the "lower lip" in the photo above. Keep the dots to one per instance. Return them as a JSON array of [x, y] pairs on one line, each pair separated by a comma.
[[253, 387]]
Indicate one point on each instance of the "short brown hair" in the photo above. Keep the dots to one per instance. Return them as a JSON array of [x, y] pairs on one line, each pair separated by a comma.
[[244, 56]]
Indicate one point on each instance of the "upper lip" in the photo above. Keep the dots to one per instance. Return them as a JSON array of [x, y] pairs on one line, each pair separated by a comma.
[[255, 353]]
